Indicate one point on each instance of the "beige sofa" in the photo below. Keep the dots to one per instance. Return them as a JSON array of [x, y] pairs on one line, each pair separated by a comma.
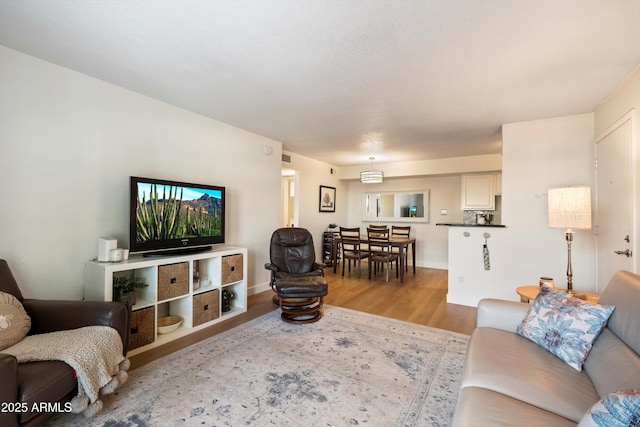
[[511, 381]]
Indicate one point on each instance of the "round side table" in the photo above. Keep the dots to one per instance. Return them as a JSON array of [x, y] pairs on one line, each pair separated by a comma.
[[528, 293]]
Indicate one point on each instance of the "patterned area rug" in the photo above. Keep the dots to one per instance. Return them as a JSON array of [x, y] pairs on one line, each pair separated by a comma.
[[350, 368]]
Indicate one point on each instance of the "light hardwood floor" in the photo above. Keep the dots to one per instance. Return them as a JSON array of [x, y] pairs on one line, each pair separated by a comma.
[[420, 299]]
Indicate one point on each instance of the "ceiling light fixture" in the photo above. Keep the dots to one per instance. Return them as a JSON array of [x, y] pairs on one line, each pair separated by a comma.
[[371, 176]]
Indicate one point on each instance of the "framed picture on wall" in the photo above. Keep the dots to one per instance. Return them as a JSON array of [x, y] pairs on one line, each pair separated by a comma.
[[327, 199]]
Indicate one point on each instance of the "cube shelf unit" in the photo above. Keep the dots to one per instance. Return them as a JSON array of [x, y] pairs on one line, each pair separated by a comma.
[[189, 286]]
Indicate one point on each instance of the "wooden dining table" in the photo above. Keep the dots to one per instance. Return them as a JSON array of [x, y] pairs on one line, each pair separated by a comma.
[[400, 242]]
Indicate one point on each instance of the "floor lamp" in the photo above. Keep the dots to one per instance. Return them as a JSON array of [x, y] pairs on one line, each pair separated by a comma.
[[570, 208]]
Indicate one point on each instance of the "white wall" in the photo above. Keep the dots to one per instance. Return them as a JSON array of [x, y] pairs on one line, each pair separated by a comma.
[[537, 155], [68, 144], [312, 175], [618, 103], [431, 240], [447, 166]]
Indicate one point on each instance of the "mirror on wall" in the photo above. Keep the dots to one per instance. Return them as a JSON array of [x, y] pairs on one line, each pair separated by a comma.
[[396, 206]]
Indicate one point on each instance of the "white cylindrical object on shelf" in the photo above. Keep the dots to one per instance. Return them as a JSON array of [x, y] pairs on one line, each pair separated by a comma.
[[115, 255], [105, 246]]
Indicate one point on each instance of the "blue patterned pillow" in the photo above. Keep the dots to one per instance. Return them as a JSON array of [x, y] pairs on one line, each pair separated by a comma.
[[564, 325], [619, 409]]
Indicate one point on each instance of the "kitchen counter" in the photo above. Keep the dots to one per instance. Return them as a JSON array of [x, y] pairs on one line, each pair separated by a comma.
[[459, 224]]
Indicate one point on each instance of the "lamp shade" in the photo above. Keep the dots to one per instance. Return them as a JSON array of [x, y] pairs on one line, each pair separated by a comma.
[[371, 177], [570, 207]]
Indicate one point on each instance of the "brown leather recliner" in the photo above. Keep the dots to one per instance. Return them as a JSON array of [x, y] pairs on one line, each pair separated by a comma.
[[49, 381], [296, 277], [292, 254]]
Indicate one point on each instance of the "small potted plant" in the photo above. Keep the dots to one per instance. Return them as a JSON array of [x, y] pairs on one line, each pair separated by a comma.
[[124, 288], [227, 296]]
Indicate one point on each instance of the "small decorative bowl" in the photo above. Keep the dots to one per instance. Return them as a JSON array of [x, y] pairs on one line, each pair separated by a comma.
[[169, 324]]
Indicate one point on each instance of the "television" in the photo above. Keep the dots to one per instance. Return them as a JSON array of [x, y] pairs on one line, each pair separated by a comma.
[[170, 217]]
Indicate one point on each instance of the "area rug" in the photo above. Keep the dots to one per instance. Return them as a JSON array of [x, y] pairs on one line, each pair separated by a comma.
[[349, 368]]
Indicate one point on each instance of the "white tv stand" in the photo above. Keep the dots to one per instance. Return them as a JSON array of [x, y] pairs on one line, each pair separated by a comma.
[[172, 290]]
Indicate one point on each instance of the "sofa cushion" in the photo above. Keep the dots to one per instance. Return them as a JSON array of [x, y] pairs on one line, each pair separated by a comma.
[[482, 407], [623, 291], [46, 381], [514, 366], [564, 325], [500, 314], [612, 365], [616, 409], [14, 321]]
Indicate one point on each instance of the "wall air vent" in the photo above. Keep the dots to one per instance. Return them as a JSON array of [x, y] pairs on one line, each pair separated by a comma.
[[286, 158]]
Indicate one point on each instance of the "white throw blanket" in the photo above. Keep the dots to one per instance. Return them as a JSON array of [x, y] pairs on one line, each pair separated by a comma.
[[94, 352]]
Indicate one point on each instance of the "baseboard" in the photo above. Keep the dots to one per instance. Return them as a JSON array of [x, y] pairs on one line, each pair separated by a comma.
[[258, 288], [469, 300], [434, 265]]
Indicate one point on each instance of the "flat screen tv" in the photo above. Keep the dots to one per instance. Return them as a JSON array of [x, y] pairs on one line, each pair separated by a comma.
[[169, 217]]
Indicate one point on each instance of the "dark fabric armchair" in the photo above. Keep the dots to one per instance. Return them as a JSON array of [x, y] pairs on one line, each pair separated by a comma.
[[296, 277], [49, 381]]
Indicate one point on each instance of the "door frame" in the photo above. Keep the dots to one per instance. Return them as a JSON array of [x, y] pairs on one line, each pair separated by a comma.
[[289, 197]]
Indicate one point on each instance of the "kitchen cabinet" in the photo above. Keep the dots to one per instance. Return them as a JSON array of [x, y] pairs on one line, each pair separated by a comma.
[[478, 191]]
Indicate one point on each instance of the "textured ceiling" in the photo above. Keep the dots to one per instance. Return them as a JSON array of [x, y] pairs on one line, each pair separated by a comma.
[[340, 81]]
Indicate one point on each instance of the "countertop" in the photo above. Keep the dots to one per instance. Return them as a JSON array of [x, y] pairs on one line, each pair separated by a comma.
[[459, 224]]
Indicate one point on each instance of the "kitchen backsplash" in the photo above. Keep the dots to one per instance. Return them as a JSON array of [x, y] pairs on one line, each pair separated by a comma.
[[470, 217]]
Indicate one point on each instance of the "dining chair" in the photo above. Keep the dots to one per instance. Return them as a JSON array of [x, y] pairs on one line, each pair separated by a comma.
[[379, 227], [402, 231], [376, 227], [352, 248], [380, 250]]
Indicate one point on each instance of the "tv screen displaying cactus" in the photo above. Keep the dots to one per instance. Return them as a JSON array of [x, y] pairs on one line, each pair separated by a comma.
[[169, 215]]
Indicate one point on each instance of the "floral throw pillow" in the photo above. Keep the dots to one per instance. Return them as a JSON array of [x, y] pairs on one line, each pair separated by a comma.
[[564, 325], [619, 409]]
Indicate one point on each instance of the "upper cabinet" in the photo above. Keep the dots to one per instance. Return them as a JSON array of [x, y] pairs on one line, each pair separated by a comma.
[[478, 191], [498, 184]]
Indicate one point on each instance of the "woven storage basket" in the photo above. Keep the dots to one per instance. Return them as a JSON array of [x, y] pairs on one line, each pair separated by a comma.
[[231, 268], [206, 307], [142, 327], [173, 280]]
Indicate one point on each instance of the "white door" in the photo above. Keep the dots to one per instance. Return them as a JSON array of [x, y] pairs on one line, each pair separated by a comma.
[[614, 201]]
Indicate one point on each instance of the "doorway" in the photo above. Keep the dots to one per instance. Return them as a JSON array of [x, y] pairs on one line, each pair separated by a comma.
[[615, 201], [289, 197]]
